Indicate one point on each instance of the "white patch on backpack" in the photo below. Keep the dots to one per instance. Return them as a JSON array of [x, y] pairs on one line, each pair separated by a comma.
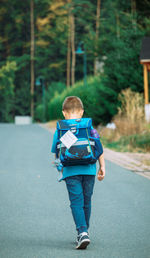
[[68, 139]]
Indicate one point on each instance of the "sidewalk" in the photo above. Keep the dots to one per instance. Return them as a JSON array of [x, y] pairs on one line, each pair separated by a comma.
[[135, 162], [132, 161]]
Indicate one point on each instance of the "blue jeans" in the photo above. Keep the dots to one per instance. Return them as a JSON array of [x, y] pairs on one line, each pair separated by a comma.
[[80, 190]]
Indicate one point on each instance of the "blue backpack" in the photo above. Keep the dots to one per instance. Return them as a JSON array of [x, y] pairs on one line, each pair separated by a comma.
[[86, 150]]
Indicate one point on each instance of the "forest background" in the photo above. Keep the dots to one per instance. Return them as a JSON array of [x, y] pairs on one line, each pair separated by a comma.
[[38, 42]]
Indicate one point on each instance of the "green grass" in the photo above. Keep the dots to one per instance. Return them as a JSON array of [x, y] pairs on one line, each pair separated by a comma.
[[132, 143]]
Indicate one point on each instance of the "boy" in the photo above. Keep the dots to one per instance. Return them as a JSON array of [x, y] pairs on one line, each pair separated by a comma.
[[80, 178]]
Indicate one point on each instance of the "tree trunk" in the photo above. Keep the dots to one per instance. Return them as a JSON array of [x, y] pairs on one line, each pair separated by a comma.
[[133, 11], [32, 56], [117, 26], [73, 50], [97, 32], [118, 33], [72, 38], [69, 48]]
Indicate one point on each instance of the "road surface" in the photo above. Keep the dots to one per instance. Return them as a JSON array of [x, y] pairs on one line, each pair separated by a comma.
[[35, 217]]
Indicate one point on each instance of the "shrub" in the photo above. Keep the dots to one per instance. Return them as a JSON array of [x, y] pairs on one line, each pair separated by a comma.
[[39, 113], [132, 132], [7, 76], [130, 117], [141, 141], [54, 89], [132, 105], [99, 102], [55, 108], [132, 143]]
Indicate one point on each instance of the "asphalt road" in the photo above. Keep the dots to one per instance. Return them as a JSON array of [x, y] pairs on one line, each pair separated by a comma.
[[35, 217]]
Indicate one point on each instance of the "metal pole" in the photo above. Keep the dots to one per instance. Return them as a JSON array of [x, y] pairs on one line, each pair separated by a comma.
[[32, 58], [43, 97]]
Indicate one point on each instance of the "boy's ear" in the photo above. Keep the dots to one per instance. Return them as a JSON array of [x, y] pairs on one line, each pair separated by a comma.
[[82, 112], [63, 113]]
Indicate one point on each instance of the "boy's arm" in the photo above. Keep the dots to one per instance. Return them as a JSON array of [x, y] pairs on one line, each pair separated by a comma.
[[101, 172], [53, 150]]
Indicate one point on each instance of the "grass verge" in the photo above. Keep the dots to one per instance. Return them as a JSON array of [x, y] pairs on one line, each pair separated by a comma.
[[131, 143]]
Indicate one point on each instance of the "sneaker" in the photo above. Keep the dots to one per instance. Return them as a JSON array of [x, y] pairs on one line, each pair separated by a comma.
[[78, 237], [82, 240]]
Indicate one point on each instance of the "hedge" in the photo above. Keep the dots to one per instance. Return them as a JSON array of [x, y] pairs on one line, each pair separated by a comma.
[[99, 102]]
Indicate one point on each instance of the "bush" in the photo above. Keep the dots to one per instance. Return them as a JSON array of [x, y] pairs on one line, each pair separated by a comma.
[[39, 113], [55, 108], [7, 76], [54, 89], [130, 118], [141, 141], [131, 143], [99, 102], [132, 105], [132, 131]]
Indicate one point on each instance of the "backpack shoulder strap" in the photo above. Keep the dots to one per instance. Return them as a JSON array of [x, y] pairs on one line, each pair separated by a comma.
[[85, 122]]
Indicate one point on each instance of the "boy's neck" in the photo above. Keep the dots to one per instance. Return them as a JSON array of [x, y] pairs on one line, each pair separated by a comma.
[[74, 115]]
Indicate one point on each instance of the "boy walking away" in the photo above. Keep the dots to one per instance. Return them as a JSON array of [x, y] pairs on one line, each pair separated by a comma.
[[77, 147]]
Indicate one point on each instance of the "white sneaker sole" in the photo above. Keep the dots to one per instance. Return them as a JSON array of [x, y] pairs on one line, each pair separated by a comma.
[[83, 244]]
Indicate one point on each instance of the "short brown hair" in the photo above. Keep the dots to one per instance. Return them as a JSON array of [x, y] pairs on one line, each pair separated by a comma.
[[72, 103]]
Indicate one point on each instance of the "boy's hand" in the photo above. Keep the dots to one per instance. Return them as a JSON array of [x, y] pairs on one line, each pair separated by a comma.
[[101, 174]]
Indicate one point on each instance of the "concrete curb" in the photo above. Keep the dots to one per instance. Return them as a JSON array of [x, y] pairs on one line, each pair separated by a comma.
[[123, 160]]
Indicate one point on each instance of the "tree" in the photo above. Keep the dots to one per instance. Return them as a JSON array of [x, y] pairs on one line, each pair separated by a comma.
[[73, 48], [116, 42], [121, 48], [133, 11], [32, 56], [69, 45], [7, 75], [97, 32]]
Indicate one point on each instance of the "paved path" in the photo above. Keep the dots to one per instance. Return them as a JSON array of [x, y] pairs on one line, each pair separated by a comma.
[[35, 218], [128, 161]]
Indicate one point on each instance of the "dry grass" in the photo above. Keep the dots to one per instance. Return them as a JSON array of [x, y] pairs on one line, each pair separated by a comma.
[[51, 124], [125, 126], [130, 118], [132, 132], [132, 105]]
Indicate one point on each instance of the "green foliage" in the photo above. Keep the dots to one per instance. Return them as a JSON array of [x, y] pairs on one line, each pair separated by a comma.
[[54, 89], [55, 108], [141, 141], [121, 48], [7, 75], [127, 72], [119, 42], [22, 85], [130, 143], [99, 102], [22, 100], [39, 113]]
